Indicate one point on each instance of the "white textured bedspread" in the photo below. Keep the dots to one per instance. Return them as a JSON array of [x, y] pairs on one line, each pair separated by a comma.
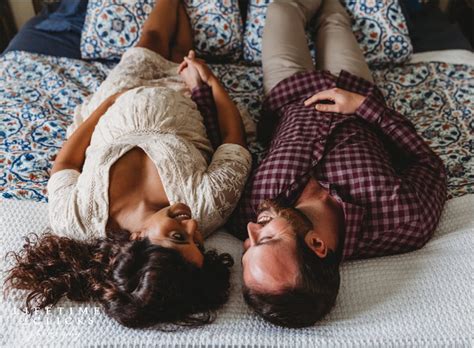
[[424, 298]]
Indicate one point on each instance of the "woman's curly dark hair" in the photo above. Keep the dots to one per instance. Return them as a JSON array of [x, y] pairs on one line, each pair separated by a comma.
[[138, 283]]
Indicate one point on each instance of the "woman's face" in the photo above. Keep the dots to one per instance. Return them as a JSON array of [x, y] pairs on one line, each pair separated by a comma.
[[173, 227]]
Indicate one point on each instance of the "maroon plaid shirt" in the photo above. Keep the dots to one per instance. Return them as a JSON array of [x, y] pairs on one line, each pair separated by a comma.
[[204, 100], [390, 184]]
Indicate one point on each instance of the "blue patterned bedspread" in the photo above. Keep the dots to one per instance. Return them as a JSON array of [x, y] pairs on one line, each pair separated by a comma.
[[38, 95]]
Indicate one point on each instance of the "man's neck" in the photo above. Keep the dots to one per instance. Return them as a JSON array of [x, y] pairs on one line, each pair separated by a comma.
[[324, 212]]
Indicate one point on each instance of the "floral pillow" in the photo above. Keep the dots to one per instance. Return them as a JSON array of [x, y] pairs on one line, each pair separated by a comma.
[[217, 27], [379, 26], [113, 26], [381, 30]]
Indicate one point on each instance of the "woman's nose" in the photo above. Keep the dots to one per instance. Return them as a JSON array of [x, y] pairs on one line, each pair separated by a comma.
[[253, 230], [191, 226]]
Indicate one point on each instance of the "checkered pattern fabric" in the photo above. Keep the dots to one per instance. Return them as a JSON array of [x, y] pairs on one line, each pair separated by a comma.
[[390, 184], [204, 100]]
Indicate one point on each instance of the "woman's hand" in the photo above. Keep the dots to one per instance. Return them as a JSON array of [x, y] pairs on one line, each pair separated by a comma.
[[190, 73], [195, 71], [343, 102]]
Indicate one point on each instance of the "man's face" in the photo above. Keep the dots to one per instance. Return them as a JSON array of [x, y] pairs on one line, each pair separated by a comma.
[[270, 261]]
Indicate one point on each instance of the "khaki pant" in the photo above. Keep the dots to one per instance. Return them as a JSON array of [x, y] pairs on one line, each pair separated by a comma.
[[285, 49]]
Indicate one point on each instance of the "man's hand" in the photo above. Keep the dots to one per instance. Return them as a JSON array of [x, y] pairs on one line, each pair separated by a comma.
[[190, 73], [198, 70], [343, 102]]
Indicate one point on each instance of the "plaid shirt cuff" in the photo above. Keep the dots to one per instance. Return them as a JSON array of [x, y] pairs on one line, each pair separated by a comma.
[[372, 109], [204, 100]]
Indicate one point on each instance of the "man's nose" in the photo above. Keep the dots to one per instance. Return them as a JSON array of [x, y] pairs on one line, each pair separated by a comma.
[[253, 230], [246, 244]]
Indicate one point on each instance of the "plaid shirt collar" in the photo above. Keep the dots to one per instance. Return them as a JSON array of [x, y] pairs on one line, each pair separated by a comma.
[[353, 220], [353, 214]]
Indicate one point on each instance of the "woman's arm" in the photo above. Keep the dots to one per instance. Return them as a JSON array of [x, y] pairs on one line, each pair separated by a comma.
[[73, 153], [230, 122]]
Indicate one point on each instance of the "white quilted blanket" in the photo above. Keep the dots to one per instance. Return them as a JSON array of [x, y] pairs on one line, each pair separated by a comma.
[[423, 298]]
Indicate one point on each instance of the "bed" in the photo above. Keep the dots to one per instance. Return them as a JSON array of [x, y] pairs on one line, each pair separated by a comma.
[[423, 298]]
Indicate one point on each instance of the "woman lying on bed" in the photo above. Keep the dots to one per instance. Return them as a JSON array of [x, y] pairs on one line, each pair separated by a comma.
[[138, 185]]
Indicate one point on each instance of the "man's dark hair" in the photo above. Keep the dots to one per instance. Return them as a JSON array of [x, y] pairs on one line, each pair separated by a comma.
[[308, 302]]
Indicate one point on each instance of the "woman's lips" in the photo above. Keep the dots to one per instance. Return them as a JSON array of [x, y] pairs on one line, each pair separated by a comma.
[[181, 211]]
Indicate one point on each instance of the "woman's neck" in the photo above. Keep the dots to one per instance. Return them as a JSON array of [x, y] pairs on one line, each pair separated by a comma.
[[130, 216]]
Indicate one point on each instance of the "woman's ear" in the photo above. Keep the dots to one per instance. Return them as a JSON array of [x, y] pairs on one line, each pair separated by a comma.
[[316, 244]]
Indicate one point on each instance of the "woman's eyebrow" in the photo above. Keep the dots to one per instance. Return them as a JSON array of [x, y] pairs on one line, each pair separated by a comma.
[[181, 242]]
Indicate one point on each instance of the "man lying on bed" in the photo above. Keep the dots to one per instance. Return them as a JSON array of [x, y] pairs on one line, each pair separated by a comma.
[[345, 177]]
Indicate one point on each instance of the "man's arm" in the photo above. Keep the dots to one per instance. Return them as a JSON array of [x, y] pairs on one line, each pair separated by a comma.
[[422, 174], [73, 153], [202, 96], [393, 125]]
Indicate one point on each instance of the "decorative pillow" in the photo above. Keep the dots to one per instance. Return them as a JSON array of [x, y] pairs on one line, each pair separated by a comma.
[[256, 14], [379, 26], [217, 28], [381, 30], [113, 26]]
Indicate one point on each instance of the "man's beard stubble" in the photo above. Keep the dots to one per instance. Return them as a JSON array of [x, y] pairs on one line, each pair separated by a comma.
[[298, 221]]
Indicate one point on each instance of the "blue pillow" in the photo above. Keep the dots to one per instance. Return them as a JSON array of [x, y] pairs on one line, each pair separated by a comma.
[[113, 26]]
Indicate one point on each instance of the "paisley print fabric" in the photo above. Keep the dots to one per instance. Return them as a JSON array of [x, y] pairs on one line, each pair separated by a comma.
[[38, 95], [112, 26], [379, 26], [217, 28], [381, 30]]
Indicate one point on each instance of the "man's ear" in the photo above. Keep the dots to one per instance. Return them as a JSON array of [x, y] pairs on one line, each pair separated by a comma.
[[316, 244]]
